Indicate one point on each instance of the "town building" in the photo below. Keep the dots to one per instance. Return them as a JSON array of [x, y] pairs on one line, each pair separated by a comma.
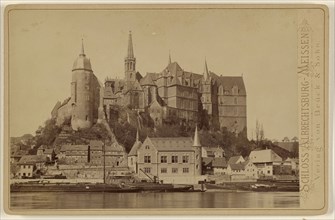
[[236, 160], [74, 154], [171, 160], [264, 160], [214, 166], [212, 152], [30, 164]]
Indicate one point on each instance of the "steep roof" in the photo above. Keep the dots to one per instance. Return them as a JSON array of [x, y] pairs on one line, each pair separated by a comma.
[[238, 166], [207, 161], [234, 159], [133, 151], [74, 148], [96, 145], [147, 81], [228, 82], [32, 159], [263, 156], [219, 162], [48, 151]]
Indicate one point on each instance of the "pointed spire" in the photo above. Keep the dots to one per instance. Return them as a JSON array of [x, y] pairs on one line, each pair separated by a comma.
[[196, 140], [82, 52], [130, 47], [206, 73], [169, 58], [137, 136]]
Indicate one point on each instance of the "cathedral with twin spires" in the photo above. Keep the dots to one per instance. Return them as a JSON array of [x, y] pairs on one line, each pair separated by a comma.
[[169, 94]]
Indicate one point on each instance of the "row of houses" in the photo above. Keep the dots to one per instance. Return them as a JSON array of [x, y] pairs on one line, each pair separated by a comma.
[[174, 160], [260, 164], [96, 153]]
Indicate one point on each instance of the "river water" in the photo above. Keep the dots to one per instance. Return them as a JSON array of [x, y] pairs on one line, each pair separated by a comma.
[[78, 200]]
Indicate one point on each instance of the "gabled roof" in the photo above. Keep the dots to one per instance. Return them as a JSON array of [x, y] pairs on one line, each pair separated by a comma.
[[74, 148], [228, 82], [219, 162], [96, 145], [48, 151], [133, 151], [147, 81], [263, 156], [32, 159], [238, 166], [19, 153], [207, 161], [234, 159]]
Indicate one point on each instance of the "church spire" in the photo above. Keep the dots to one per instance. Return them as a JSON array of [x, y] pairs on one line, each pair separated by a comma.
[[130, 46], [82, 52], [196, 141], [206, 73], [137, 136], [169, 58]]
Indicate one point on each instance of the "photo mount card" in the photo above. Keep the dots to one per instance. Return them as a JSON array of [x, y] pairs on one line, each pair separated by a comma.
[[166, 109]]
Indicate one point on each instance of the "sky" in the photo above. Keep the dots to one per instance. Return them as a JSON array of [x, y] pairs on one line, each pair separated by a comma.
[[259, 44]]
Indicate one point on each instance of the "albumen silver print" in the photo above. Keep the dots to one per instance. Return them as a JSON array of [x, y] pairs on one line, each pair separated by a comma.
[[160, 109]]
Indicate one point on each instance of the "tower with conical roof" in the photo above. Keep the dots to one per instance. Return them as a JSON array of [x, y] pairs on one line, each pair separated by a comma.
[[197, 153], [85, 91], [130, 61]]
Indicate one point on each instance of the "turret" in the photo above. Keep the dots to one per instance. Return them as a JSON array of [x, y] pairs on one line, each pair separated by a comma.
[[197, 153]]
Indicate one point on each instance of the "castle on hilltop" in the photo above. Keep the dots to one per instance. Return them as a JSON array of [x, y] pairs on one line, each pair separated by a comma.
[[169, 94]]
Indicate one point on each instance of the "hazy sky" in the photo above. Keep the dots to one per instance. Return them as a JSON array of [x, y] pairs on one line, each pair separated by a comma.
[[260, 44]]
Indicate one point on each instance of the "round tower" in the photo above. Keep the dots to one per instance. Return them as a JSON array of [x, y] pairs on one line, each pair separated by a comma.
[[82, 92], [197, 154]]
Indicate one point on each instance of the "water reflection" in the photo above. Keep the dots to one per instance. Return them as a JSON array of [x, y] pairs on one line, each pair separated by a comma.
[[59, 200]]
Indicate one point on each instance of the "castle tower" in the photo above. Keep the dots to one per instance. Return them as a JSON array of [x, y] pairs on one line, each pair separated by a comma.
[[197, 153], [130, 61], [83, 93]]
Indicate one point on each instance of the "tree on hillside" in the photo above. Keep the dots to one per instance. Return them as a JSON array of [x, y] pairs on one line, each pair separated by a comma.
[[259, 133]]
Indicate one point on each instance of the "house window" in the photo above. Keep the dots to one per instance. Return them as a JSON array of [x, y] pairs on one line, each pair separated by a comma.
[[185, 159], [174, 159], [147, 147], [24, 166], [147, 170], [174, 170], [186, 170], [163, 170], [268, 171], [163, 159], [28, 174], [147, 159]]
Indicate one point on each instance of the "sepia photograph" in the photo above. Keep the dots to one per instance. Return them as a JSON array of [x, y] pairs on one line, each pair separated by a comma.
[[189, 108]]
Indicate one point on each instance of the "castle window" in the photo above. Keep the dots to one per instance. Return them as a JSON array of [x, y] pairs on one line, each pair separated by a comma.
[[174, 159], [174, 170], [86, 117], [186, 170], [163, 170], [185, 159]]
